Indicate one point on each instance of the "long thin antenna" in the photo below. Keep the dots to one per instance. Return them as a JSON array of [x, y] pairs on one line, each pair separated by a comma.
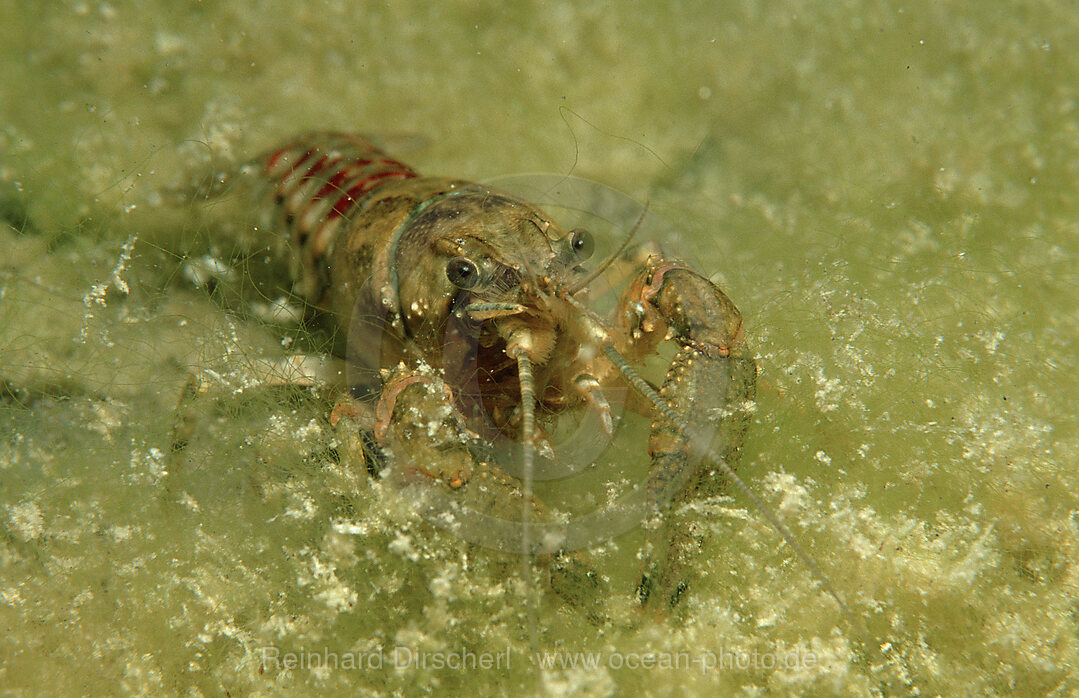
[[528, 421], [647, 391], [614, 255]]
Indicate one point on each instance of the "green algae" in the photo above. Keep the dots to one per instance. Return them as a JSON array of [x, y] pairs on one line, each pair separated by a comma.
[[888, 194]]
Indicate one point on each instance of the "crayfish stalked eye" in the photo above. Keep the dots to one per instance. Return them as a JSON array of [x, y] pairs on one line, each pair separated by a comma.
[[581, 242], [462, 272]]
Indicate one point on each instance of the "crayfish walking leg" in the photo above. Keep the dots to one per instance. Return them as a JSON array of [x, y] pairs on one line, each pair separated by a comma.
[[711, 395]]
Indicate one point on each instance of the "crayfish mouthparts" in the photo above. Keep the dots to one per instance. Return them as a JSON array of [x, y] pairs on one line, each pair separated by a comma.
[[522, 339]]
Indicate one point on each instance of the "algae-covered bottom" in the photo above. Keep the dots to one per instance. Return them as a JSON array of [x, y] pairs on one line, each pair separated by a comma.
[[889, 196]]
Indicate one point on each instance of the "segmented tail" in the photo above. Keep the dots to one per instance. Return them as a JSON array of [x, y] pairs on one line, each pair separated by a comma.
[[318, 182]]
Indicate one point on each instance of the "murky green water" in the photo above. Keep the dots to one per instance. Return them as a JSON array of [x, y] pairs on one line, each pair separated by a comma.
[[890, 195]]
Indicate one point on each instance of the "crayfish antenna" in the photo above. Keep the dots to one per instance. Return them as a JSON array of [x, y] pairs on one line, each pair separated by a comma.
[[652, 396], [602, 266], [528, 419]]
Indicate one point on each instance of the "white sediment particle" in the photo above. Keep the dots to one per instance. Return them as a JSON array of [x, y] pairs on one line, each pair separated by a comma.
[[301, 507], [443, 586], [434, 424], [991, 340], [412, 637], [200, 271], [338, 595], [332, 591], [402, 545], [153, 460], [552, 540], [862, 546], [827, 394], [352, 528], [579, 681], [109, 416], [279, 625], [280, 311], [157, 463], [993, 431], [121, 533], [980, 556], [11, 597], [795, 497], [97, 292], [121, 265], [718, 507], [189, 502], [830, 671], [282, 426], [767, 617], [26, 520], [82, 598], [312, 429]]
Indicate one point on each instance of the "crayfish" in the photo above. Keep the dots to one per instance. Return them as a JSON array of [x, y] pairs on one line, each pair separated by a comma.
[[465, 321]]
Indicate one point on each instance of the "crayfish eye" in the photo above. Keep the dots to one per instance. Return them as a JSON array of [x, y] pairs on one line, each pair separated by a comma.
[[462, 272], [581, 242]]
